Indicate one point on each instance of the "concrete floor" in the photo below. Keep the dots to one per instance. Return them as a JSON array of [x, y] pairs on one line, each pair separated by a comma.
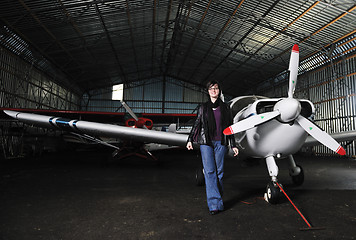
[[73, 196]]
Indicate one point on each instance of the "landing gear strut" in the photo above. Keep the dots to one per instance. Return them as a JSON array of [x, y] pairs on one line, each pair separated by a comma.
[[296, 172], [272, 190]]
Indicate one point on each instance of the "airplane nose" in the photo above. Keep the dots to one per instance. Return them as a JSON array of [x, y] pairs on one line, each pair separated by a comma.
[[289, 109]]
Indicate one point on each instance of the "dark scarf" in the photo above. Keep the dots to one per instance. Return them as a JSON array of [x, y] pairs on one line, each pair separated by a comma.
[[211, 119]]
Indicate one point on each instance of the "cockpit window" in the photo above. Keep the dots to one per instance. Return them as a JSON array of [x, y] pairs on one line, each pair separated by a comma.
[[243, 102]]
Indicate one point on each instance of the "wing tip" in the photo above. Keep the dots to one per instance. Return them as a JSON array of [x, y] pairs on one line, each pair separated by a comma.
[[228, 131], [295, 48], [11, 113]]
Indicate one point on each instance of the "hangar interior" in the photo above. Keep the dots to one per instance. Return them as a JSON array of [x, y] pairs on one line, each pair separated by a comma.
[[68, 55]]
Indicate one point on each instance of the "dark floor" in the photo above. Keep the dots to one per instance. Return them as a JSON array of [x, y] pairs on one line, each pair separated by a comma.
[[76, 196]]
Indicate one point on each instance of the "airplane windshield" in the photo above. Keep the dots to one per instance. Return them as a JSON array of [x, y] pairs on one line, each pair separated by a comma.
[[243, 102]]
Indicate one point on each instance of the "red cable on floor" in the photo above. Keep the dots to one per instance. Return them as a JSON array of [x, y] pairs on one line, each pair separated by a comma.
[[306, 221], [254, 201]]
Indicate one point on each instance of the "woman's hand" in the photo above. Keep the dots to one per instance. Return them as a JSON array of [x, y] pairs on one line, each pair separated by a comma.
[[236, 151], [189, 146]]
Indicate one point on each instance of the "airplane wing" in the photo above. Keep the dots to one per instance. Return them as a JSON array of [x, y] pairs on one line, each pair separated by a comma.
[[100, 129], [339, 137]]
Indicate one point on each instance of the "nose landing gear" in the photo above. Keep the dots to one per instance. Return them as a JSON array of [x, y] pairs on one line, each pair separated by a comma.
[[273, 190], [272, 193]]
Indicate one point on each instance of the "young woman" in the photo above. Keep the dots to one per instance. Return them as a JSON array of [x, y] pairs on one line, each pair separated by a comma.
[[212, 118]]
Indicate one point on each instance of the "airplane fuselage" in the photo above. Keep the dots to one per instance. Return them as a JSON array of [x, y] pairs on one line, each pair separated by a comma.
[[275, 137], [262, 141]]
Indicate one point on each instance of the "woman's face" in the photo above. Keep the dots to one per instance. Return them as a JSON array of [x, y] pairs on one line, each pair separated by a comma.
[[214, 91]]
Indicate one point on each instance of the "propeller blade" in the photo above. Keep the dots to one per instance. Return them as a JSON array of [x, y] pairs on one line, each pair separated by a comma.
[[132, 114], [250, 122], [293, 70], [320, 135], [128, 109]]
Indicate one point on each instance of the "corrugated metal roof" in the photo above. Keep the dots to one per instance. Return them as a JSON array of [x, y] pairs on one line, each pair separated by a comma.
[[98, 43]]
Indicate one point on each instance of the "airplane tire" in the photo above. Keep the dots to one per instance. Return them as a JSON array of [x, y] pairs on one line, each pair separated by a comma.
[[299, 179], [199, 177], [272, 193]]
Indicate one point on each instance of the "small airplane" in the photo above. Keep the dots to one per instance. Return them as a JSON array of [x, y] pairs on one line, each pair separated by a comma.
[[263, 127], [272, 128], [135, 121]]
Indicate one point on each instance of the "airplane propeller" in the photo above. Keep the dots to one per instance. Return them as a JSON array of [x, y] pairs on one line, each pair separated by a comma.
[[250, 122], [139, 122], [287, 110], [320, 135], [293, 70], [128, 109]]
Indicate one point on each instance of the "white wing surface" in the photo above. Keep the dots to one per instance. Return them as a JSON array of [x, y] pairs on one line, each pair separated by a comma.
[[101, 129], [339, 137]]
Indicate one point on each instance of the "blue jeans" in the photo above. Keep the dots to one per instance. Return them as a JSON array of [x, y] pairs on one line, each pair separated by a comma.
[[213, 163]]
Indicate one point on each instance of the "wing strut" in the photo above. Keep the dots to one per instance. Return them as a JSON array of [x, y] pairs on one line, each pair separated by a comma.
[[93, 139]]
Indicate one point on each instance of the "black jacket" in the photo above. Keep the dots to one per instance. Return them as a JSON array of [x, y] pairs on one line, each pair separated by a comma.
[[200, 133]]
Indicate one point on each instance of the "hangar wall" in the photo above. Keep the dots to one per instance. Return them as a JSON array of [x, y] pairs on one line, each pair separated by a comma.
[[331, 87], [157, 95], [332, 90], [22, 85]]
